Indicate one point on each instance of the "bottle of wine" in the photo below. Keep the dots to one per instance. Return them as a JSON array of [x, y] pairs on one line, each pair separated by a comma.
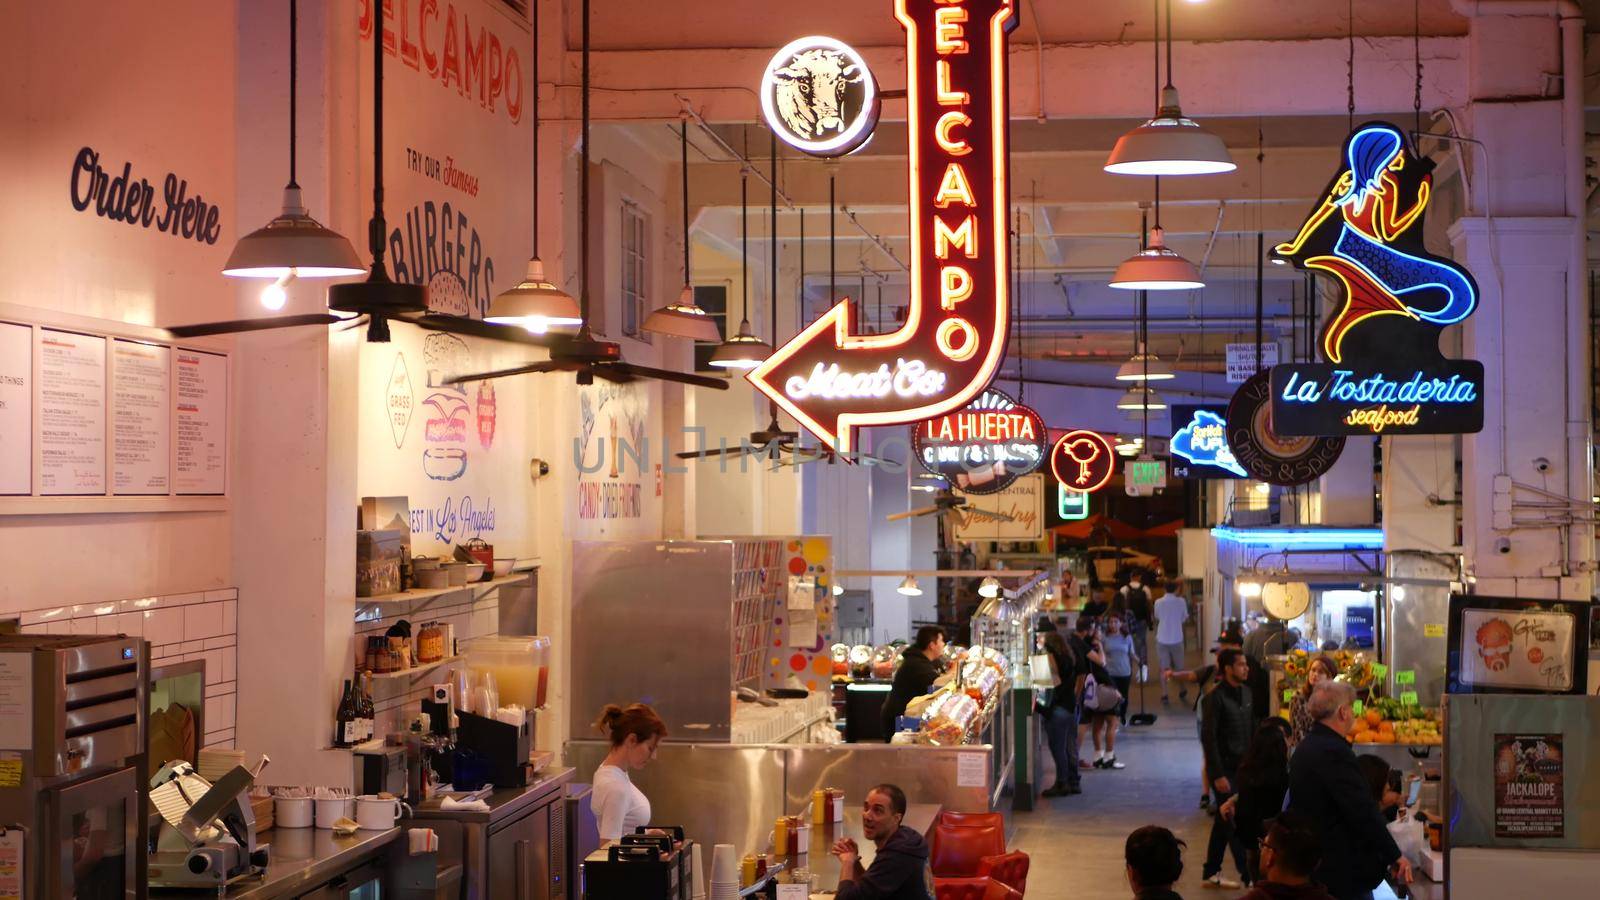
[[344, 728], [369, 713]]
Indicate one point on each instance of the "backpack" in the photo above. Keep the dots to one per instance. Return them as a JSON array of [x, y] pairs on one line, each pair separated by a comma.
[[1098, 697]]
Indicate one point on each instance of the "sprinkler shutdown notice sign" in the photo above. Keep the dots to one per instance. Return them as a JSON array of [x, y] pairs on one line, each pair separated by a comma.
[[833, 380]]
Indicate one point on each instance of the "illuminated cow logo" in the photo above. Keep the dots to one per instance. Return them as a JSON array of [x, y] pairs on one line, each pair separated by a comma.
[[820, 97]]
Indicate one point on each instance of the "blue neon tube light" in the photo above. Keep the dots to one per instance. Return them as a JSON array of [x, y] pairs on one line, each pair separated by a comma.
[[1366, 538]]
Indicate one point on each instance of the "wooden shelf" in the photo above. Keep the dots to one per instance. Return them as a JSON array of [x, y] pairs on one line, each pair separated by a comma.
[[415, 671], [429, 593]]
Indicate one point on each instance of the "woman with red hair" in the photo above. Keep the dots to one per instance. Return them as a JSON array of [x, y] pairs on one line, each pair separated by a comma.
[[635, 732]]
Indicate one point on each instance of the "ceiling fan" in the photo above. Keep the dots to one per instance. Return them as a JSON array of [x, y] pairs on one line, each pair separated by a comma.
[[377, 299], [583, 354], [948, 501]]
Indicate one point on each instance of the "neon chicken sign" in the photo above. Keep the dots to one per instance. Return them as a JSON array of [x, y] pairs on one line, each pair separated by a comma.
[[833, 380], [1384, 373]]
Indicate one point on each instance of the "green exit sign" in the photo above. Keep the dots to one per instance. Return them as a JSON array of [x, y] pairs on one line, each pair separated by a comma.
[[1144, 477]]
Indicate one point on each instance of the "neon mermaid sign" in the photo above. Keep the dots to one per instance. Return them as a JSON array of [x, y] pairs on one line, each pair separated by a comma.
[[1384, 373]]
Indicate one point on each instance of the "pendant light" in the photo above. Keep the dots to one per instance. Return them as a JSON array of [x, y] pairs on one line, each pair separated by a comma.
[[909, 587], [379, 296], [293, 245], [744, 350], [1144, 366], [989, 587], [1171, 143], [684, 318], [1140, 400], [1156, 267], [535, 303]]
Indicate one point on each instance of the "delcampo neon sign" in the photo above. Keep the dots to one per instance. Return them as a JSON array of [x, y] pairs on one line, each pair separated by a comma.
[[1384, 373], [1200, 441], [1083, 461], [833, 380], [984, 446]]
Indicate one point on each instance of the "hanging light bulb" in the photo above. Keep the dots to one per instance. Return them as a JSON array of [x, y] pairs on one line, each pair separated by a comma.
[[742, 351], [909, 587], [1144, 366], [275, 295], [684, 318], [293, 243], [536, 303], [1249, 589], [989, 587], [1171, 143], [1141, 399], [1157, 268], [837, 589]]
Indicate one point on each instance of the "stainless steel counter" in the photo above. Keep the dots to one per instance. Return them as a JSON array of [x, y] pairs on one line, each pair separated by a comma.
[[302, 860], [518, 842], [824, 867], [504, 803]]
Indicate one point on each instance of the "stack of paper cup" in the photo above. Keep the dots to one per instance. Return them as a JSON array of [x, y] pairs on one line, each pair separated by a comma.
[[724, 873], [697, 872]]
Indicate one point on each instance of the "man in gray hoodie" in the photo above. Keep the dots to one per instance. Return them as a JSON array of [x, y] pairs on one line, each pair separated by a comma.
[[899, 870]]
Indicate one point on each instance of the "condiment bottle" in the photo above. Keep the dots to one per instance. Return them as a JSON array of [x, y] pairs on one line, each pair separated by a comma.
[[747, 871], [761, 866], [819, 806], [780, 837], [794, 835]]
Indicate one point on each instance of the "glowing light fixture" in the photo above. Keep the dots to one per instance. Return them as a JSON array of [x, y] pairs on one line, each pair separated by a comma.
[[1398, 592], [1157, 268], [837, 589], [1367, 538], [535, 303], [1249, 589], [989, 587], [684, 318], [744, 350], [1171, 143], [293, 244], [1144, 366], [1141, 399], [909, 587]]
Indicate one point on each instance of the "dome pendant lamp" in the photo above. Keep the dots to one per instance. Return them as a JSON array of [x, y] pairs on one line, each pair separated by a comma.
[[293, 245], [1156, 267], [684, 318], [535, 303], [1171, 143], [744, 350], [1144, 366]]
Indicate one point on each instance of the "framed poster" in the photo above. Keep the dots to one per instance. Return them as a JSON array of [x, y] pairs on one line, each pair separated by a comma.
[[16, 409], [1513, 645], [1529, 786], [1022, 503]]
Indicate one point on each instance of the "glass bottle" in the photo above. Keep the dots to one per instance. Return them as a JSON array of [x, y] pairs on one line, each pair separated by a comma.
[[344, 728]]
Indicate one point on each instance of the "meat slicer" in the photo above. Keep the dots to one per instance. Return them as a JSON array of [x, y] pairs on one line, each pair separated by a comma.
[[207, 836]]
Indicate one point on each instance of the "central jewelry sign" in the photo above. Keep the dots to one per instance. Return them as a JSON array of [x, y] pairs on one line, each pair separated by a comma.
[[834, 381]]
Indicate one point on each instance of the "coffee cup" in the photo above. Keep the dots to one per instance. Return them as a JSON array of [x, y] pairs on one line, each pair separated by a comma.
[[291, 812], [331, 809], [376, 813]]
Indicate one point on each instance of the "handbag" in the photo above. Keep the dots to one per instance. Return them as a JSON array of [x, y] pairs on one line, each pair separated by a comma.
[[1042, 667], [1099, 697]]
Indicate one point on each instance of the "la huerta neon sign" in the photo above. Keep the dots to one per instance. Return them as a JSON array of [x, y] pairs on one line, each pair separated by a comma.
[[1384, 373]]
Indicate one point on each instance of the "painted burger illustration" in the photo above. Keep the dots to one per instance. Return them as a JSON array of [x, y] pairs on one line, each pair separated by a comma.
[[1494, 644]]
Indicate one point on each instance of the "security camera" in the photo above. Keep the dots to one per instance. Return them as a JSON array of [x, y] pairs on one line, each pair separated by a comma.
[[537, 469], [1541, 465], [1502, 545]]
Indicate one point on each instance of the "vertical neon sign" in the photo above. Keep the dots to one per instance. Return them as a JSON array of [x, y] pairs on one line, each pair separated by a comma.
[[834, 381]]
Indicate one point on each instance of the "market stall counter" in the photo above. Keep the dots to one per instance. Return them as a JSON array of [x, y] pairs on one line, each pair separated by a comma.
[[824, 868], [519, 839], [307, 860]]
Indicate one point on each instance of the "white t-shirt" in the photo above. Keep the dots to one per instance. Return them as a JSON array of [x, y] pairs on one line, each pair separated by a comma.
[[617, 804], [1171, 612]]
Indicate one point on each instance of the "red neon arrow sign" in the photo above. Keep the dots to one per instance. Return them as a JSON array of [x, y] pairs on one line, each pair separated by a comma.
[[834, 381]]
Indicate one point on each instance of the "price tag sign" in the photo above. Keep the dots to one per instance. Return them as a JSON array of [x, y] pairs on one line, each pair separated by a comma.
[[1379, 670], [1409, 698], [1288, 696], [1433, 630], [1405, 676], [1359, 707]]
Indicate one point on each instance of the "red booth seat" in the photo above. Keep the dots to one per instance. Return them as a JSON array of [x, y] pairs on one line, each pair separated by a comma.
[[972, 889]]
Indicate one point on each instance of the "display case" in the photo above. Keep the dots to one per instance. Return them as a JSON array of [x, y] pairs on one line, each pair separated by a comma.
[[654, 607]]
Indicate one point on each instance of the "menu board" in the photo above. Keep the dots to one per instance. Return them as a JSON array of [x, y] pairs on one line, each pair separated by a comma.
[[1517, 649], [72, 413], [202, 403], [16, 409], [140, 417]]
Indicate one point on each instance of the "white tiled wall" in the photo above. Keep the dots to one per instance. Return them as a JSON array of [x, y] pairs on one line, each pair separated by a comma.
[[179, 627]]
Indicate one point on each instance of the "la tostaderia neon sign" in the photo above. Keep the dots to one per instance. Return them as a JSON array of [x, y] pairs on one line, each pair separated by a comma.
[[833, 380], [1384, 372]]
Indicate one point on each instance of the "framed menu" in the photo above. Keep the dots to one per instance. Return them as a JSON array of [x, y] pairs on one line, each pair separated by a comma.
[[141, 417], [1516, 645], [16, 409], [71, 396], [202, 422]]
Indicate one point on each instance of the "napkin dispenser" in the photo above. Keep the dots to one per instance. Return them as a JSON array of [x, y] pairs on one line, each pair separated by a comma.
[[506, 748]]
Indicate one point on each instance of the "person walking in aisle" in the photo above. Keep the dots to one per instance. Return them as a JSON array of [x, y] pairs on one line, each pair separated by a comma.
[[1171, 610], [1289, 854], [1229, 720], [1061, 717], [1154, 858], [1097, 724], [1263, 782], [1121, 660], [1326, 784], [1136, 600]]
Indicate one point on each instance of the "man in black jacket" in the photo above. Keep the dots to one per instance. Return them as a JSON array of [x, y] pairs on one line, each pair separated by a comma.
[[899, 870], [919, 669], [1325, 783], [1228, 719]]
